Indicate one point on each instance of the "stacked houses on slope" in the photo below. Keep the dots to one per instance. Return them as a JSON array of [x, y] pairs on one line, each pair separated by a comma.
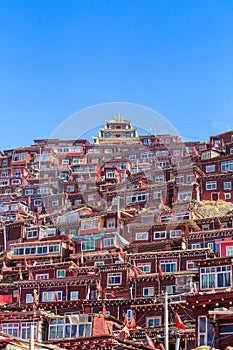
[[94, 236]]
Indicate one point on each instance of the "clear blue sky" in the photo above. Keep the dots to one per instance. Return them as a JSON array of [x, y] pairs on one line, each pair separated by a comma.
[[60, 56]]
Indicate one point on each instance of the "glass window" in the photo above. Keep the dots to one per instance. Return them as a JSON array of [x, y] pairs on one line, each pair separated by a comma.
[[114, 278], [11, 329], [74, 295], [153, 321], [215, 277], [168, 265], [25, 330], [145, 267], [61, 273], [227, 185], [159, 234], [148, 291], [211, 185], [89, 245], [141, 236]]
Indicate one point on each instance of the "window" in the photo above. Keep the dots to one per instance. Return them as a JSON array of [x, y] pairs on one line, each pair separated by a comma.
[[227, 185], [157, 194], [136, 198], [109, 242], [4, 173], [4, 182], [227, 195], [195, 245], [18, 251], [32, 233], [91, 197], [37, 202], [16, 182], [202, 330], [17, 173], [227, 166], [190, 265], [184, 216], [210, 245], [70, 188], [145, 267], [175, 233], [159, 178], [168, 265], [205, 227], [163, 164], [114, 279], [30, 250], [110, 175], [88, 224], [180, 179], [189, 178], [159, 234], [42, 250], [55, 202], [141, 236], [111, 223], [74, 295], [17, 157], [29, 298], [55, 248], [11, 329], [153, 321], [29, 192], [148, 291], [229, 250], [215, 277], [99, 263], [64, 328], [210, 168], [61, 273], [184, 196], [50, 296], [211, 185], [42, 276], [89, 245], [25, 329]]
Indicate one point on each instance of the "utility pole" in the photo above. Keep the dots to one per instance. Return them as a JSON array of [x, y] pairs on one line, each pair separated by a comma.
[[31, 339], [166, 334]]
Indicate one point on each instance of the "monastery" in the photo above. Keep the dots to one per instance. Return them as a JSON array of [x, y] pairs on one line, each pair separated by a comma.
[[120, 243]]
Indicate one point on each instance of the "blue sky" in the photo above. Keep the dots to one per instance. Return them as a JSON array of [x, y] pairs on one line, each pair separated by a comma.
[[61, 56]]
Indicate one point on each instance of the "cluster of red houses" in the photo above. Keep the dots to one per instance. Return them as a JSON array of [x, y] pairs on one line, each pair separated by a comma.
[[95, 236]]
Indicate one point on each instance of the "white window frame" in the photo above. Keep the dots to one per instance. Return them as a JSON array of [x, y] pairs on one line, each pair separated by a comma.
[[210, 168], [141, 236], [175, 233], [195, 245], [49, 296], [227, 185], [74, 295], [42, 276], [145, 267], [154, 321], [87, 245], [229, 250], [109, 242], [211, 185], [60, 273], [114, 279], [168, 265], [148, 291], [160, 235]]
